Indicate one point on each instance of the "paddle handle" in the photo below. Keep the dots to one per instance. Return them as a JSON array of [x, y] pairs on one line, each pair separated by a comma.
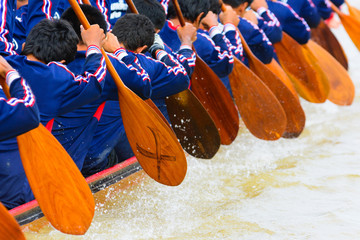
[[110, 67], [132, 6], [335, 9], [179, 13]]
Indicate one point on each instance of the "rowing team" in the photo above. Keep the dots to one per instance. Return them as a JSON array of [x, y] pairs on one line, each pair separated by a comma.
[[57, 76]]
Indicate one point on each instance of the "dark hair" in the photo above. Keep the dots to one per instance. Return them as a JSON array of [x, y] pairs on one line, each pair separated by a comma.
[[215, 6], [191, 9], [134, 31], [237, 3], [93, 15], [153, 10], [51, 40]]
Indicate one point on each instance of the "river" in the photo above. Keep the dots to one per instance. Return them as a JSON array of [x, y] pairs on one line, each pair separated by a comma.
[[304, 188]]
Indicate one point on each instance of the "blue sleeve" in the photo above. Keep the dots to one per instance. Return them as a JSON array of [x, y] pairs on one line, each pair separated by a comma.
[[85, 88], [132, 75], [38, 10], [215, 52], [104, 7], [290, 21], [235, 42], [19, 35], [310, 14], [20, 113], [186, 56], [257, 41], [7, 13], [166, 79], [323, 8], [270, 25], [338, 3]]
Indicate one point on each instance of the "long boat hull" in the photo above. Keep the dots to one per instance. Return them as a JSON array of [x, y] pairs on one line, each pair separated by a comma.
[[31, 211]]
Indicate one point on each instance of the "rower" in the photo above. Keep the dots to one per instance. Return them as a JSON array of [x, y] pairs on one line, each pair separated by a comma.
[[166, 80], [305, 9]]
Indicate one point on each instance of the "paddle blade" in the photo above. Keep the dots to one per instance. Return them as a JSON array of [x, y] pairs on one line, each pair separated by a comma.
[[354, 12], [193, 126], [217, 101], [9, 228], [260, 110], [323, 36], [342, 89], [351, 25], [303, 70], [60, 189], [152, 141]]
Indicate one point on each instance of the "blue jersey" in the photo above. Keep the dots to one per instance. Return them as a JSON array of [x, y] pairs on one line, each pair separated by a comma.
[[57, 89], [323, 8], [306, 10], [75, 129], [186, 56], [165, 4], [338, 3], [7, 14], [290, 21], [258, 42], [270, 25], [19, 114]]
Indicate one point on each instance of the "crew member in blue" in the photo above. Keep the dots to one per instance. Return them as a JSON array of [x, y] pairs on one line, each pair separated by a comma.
[[7, 14], [75, 130], [305, 9], [323, 8], [290, 21], [20, 113], [135, 33], [257, 40], [48, 46]]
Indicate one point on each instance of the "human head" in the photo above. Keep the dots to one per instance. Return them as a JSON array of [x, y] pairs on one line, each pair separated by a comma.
[[238, 5], [51, 40], [134, 31], [191, 9], [93, 15], [215, 6], [153, 10]]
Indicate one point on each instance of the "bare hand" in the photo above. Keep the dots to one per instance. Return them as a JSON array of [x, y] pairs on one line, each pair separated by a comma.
[[111, 43], [93, 36], [250, 15], [229, 16], [187, 34], [256, 4], [209, 21]]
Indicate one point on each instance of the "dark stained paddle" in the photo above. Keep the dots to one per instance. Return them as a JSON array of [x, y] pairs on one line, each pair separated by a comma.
[[191, 123], [294, 113], [351, 25], [213, 95], [260, 110], [342, 89], [303, 70], [60, 189], [152, 141], [9, 228], [323, 36]]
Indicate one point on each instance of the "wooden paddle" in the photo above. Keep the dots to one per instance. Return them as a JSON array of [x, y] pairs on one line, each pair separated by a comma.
[[323, 36], [351, 25], [303, 70], [354, 12], [213, 95], [260, 110], [9, 228], [152, 141], [294, 113], [191, 123], [60, 189], [342, 90]]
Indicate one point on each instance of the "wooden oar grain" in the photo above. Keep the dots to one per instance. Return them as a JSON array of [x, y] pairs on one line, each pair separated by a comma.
[[260, 110], [213, 95], [342, 89], [152, 141], [323, 36], [351, 25], [9, 228], [191, 123], [303, 70], [294, 113], [58, 186]]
